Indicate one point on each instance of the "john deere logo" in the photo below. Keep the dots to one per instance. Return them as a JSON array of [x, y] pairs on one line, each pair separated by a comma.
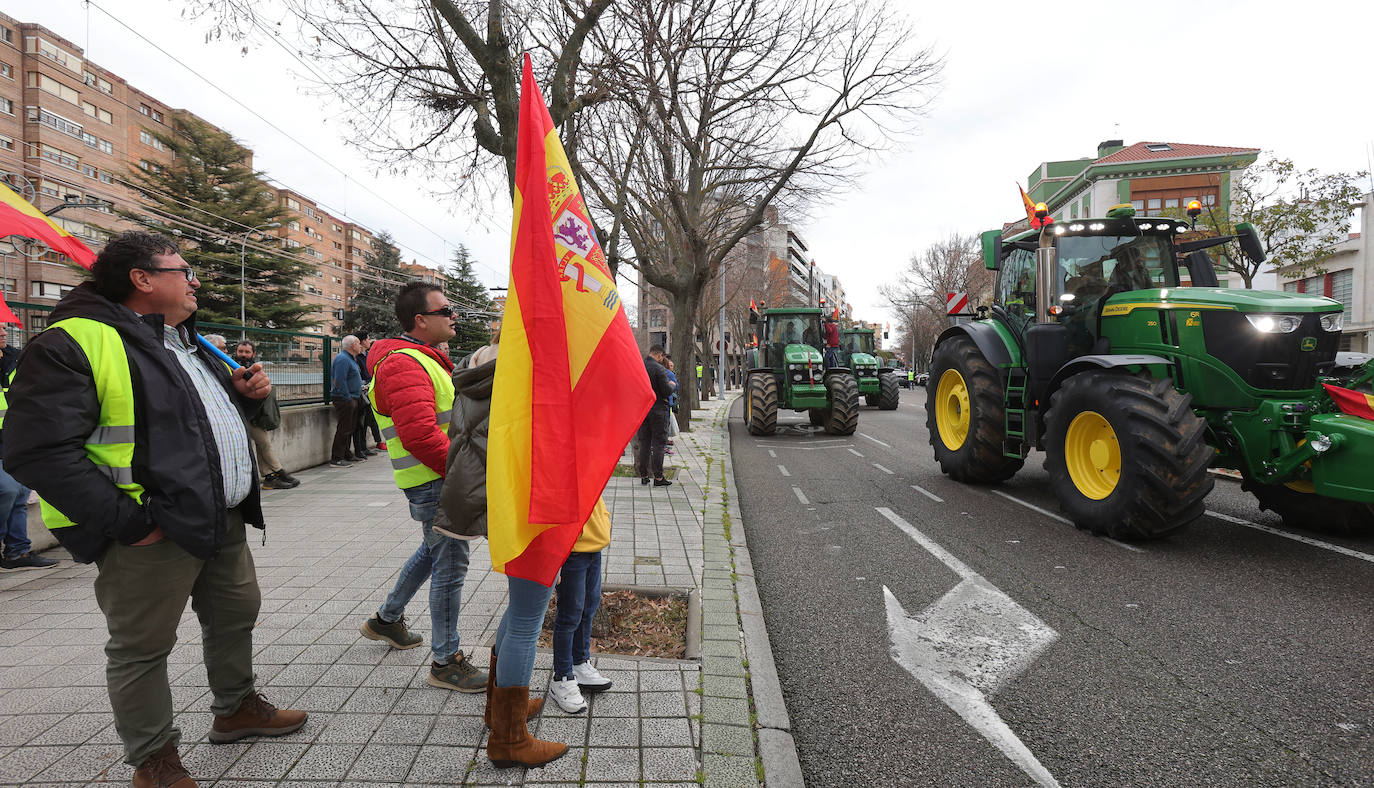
[[1309, 344]]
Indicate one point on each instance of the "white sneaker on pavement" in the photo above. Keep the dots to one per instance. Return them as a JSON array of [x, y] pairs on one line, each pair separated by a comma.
[[567, 696], [588, 680]]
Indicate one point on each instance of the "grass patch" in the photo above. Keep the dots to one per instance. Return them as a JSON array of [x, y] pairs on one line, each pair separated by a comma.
[[631, 624]]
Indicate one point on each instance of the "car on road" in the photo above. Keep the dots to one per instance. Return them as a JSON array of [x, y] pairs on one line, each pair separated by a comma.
[[921, 378]]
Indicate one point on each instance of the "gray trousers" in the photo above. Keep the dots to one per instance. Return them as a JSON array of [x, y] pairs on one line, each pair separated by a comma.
[[267, 456], [143, 591]]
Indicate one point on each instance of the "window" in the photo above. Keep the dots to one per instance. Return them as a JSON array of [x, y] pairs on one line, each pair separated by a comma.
[[102, 115], [37, 323], [106, 146], [292, 244], [1159, 147], [49, 50], [6, 71], [7, 35], [9, 285], [293, 204], [337, 245], [336, 228], [6, 106], [157, 116], [6, 142], [146, 137], [58, 155], [1138, 205], [53, 120], [1341, 287], [145, 109], [47, 290], [102, 85], [47, 84], [106, 177], [293, 224], [657, 318], [1016, 283], [310, 212]]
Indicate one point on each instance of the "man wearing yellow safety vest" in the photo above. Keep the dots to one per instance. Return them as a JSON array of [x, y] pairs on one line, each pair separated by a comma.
[[412, 395], [134, 438]]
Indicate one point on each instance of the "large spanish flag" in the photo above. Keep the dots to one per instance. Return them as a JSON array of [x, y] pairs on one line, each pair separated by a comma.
[[570, 387], [19, 217], [1352, 402]]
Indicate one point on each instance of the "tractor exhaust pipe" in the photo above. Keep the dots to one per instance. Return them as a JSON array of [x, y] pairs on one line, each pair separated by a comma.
[[1046, 265]]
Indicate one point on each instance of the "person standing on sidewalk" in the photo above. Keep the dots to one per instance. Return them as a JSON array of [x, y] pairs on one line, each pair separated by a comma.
[[579, 597], [412, 393], [134, 436], [365, 417], [345, 389], [17, 555], [653, 433], [261, 426]]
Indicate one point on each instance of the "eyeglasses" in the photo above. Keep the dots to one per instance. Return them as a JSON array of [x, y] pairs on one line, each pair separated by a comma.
[[188, 272], [446, 311]]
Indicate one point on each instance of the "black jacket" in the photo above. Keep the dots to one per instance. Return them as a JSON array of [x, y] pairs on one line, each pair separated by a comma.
[[662, 385], [463, 499], [53, 409]]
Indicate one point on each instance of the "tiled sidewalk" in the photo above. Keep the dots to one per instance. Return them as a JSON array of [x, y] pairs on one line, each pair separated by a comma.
[[334, 547]]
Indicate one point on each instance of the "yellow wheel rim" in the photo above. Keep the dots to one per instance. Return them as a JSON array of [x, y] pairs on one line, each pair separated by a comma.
[[952, 409], [1092, 455]]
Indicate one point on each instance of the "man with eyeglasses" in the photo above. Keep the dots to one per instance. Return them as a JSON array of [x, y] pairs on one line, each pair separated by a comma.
[[134, 437], [412, 395]]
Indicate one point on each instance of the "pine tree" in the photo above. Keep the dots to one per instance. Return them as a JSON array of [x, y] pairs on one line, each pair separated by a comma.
[[372, 303], [468, 294], [210, 185]]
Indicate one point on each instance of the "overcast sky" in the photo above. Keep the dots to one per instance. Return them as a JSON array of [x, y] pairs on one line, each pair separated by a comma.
[[1024, 82]]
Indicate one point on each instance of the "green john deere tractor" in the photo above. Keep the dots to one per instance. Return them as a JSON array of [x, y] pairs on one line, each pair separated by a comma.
[[1133, 386], [876, 382], [787, 370]]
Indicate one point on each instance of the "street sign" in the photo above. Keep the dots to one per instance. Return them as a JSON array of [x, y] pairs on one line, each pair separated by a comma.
[[956, 303]]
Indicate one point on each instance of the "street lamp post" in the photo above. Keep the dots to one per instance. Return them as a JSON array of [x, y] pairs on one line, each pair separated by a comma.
[[243, 279]]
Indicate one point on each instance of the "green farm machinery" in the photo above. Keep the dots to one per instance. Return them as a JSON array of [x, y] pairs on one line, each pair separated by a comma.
[[1111, 348], [877, 383], [787, 371]]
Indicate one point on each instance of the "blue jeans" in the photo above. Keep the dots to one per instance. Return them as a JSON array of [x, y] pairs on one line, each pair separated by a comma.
[[14, 514], [579, 595], [443, 561], [518, 634]]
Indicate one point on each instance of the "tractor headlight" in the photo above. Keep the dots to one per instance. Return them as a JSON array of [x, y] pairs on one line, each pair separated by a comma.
[[1332, 322], [1275, 324], [817, 373], [796, 377]]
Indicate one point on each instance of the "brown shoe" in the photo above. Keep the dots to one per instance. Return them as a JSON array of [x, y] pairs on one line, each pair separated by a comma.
[[510, 742], [163, 769], [255, 717], [535, 704]]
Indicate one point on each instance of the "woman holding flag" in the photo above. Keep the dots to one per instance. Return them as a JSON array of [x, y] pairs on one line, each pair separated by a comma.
[[549, 457]]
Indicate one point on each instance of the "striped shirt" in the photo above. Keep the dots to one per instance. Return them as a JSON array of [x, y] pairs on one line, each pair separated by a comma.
[[231, 437]]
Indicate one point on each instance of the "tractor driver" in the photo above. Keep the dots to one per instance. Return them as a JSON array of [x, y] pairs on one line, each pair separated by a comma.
[[789, 333]]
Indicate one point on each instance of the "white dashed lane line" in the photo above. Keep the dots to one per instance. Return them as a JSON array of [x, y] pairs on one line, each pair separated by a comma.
[[1064, 520], [881, 468], [1295, 537], [875, 440], [855, 453], [783, 470], [772, 454], [801, 496], [927, 493]]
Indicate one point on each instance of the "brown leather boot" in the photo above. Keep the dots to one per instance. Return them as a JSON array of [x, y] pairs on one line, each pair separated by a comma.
[[163, 769], [534, 706], [510, 742], [255, 717]]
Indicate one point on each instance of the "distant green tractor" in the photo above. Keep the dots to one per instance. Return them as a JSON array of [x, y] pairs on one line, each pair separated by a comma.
[[877, 383], [787, 370]]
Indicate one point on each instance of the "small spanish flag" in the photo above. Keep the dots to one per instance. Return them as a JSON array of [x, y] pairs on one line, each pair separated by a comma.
[[1030, 207], [1351, 402]]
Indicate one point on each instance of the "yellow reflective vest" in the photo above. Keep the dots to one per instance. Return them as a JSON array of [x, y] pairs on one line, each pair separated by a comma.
[[406, 467]]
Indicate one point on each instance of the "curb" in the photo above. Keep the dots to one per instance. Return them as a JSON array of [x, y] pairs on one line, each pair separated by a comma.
[[777, 751]]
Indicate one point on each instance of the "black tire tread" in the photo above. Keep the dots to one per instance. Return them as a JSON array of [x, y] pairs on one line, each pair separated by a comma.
[[980, 460], [843, 416], [763, 404], [889, 395], [1165, 455]]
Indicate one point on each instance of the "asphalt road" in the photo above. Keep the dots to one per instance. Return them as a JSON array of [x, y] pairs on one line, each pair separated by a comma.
[[1223, 655]]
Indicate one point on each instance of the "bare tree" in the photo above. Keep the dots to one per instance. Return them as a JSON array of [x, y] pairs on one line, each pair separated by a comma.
[[954, 265], [730, 106], [432, 84]]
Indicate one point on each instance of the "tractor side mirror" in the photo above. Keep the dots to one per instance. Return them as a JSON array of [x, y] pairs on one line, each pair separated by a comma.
[[992, 249], [753, 318], [1250, 242]]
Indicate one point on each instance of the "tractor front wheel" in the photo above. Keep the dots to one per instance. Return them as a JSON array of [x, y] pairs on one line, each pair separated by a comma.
[[888, 393], [870, 399], [965, 415], [1126, 455], [843, 416], [1300, 507], [761, 404]]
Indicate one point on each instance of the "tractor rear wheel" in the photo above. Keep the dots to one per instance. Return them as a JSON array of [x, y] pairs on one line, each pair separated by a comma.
[[888, 393], [817, 416], [1126, 455], [965, 415], [843, 416], [1300, 507], [761, 404]]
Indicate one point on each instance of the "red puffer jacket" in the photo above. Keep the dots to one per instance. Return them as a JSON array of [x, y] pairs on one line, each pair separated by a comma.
[[405, 394]]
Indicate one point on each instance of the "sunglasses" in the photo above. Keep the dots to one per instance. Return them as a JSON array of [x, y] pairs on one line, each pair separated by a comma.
[[189, 273], [446, 311]]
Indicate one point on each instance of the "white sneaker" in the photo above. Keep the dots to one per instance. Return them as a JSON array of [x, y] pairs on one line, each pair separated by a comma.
[[567, 696], [588, 680]]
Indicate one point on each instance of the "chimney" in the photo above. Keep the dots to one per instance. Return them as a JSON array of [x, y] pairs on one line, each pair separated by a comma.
[[1108, 147]]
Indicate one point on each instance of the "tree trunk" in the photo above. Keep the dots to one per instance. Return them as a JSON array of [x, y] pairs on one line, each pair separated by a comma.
[[685, 306]]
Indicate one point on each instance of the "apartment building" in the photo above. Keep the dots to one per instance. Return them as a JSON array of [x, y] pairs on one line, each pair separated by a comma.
[[71, 130]]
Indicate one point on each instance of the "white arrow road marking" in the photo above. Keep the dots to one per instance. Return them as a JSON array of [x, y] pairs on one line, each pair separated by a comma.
[[970, 643]]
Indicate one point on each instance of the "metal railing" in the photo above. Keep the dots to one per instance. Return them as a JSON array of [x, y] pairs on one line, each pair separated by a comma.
[[297, 362]]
